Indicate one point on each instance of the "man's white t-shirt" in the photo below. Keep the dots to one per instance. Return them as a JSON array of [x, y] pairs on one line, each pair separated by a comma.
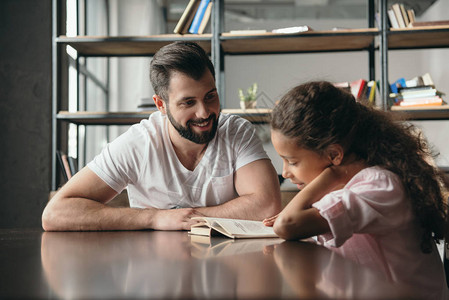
[[143, 160]]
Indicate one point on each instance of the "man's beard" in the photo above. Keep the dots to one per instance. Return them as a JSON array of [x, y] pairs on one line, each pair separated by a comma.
[[188, 133]]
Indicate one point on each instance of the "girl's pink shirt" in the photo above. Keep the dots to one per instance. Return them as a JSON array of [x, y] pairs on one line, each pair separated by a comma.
[[372, 223]]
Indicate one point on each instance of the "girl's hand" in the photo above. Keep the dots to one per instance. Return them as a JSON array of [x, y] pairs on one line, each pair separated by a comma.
[[270, 221]]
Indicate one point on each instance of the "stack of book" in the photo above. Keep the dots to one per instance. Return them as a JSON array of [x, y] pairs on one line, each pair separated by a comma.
[[362, 90], [399, 16], [146, 104], [195, 17], [402, 17], [417, 92]]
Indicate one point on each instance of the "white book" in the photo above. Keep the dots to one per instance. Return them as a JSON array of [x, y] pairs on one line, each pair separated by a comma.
[[232, 228]]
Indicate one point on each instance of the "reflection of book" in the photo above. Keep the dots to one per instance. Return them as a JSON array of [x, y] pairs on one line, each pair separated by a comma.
[[231, 228], [204, 246], [186, 18]]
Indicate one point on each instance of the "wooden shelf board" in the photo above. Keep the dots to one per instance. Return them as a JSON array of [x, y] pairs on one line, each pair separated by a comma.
[[423, 113], [129, 45], [419, 37], [311, 41], [129, 118], [103, 118]]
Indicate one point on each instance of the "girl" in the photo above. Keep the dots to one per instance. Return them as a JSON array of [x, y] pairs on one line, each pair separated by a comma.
[[367, 188]]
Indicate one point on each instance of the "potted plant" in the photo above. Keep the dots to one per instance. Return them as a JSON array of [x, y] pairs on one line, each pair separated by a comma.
[[248, 100]]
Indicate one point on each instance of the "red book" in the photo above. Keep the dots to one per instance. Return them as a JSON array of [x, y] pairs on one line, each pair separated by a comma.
[[358, 88]]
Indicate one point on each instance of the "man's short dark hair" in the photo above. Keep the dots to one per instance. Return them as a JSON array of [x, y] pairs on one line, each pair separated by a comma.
[[185, 57]]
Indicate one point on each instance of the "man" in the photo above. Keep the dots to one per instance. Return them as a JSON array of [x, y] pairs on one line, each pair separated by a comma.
[[186, 160]]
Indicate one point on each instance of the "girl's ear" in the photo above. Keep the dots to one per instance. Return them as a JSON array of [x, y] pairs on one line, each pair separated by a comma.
[[160, 104], [335, 154]]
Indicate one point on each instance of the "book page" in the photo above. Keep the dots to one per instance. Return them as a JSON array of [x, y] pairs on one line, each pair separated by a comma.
[[244, 227]]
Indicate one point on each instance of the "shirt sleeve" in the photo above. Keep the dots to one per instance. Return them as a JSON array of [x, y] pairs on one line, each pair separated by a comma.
[[119, 163], [372, 202], [246, 143]]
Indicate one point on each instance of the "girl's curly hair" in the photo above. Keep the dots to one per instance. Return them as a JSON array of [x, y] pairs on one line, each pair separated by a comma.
[[318, 114]]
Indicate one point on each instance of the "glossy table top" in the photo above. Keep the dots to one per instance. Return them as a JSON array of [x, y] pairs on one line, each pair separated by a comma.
[[160, 265]]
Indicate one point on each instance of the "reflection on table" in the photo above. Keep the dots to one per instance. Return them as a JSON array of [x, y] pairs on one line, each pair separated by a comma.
[[159, 265]]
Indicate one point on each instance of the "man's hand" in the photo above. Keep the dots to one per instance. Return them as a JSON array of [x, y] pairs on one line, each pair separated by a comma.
[[173, 219]]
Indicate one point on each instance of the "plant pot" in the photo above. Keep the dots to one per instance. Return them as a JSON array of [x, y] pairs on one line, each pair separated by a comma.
[[247, 104]]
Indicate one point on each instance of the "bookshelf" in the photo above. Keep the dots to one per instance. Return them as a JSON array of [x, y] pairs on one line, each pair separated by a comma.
[[220, 44]]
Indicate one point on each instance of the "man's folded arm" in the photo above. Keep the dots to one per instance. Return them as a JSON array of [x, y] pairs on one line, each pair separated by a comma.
[[80, 205], [257, 185]]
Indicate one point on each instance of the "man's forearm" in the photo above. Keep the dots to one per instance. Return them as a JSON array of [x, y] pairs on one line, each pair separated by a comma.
[[78, 214], [248, 207]]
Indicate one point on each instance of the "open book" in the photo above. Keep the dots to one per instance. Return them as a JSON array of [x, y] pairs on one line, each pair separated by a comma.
[[231, 228]]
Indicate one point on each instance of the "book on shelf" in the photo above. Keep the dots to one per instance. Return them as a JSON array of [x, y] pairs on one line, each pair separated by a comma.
[[61, 165], [205, 246], [146, 104], [416, 92], [422, 101], [73, 165], [398, 14], [343, 85], [404, 14], [293, 29], [248, 31], [231, 228], [411, 16], [205, 19], [392, 18], [187, 16], [196, 22], [64, 165], [371, 87], [358, 88]]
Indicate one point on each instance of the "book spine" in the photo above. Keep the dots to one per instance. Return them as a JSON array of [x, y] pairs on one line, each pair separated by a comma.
[[198, 16], [398, 13], [73, 165], [185, 16], [61, 165], [392, 17], [206, 18]]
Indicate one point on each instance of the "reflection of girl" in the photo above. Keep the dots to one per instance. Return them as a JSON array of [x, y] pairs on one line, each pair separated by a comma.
[[366, 187]]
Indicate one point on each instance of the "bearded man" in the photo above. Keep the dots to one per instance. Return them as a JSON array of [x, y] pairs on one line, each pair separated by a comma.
[[185, 160]]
